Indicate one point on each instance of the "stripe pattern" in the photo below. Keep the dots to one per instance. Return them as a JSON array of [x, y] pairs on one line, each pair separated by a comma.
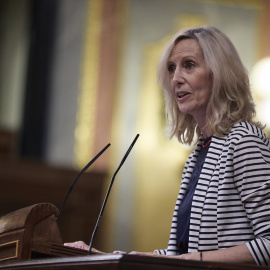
[[231, 204]]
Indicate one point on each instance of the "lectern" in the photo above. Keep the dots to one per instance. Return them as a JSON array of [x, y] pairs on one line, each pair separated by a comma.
[[32, 232]]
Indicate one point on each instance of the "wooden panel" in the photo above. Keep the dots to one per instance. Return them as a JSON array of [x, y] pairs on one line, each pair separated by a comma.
[[9, 250]]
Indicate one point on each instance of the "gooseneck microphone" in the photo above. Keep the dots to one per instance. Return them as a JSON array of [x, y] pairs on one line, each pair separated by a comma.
[[77, 177], [108, 192]]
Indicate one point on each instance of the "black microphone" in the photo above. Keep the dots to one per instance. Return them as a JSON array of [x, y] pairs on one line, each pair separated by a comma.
[[80, 173], [108, 192]]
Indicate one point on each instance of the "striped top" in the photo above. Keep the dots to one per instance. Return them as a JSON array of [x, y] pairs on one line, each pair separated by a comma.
[[231, 204]]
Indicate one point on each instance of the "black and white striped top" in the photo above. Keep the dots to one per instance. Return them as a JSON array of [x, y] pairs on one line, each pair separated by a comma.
[[231, 204]]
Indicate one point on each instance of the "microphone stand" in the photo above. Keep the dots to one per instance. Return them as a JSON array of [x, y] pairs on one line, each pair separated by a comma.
[[108, 192], [81, 172]]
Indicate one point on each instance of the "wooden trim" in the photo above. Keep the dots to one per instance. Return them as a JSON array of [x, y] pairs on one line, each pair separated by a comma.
[[9, 250]]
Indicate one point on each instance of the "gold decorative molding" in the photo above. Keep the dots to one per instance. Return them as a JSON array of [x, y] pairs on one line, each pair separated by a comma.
[[252, 4], [9, 250], [86, 114]]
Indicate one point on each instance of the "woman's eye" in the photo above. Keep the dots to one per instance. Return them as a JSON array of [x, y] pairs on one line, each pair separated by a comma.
[[189, 65], [171, 68]]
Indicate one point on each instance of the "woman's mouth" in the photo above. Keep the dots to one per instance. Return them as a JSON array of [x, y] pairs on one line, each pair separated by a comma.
[[182, 95]]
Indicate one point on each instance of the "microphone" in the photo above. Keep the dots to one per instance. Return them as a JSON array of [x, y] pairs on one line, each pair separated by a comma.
[[80, 173], [108, 192]]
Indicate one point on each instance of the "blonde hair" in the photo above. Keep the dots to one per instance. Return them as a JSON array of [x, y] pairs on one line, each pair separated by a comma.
[[231, 100]]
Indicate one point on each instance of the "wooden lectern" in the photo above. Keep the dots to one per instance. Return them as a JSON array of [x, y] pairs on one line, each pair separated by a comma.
[[32, 232]]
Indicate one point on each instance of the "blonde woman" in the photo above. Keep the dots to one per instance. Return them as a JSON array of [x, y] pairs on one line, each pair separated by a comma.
[[222, 212]]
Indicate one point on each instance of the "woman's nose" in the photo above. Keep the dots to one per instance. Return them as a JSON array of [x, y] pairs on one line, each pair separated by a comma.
[[178, 75]]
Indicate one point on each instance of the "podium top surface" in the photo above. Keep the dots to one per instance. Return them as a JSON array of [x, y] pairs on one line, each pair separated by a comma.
[[123, 262]]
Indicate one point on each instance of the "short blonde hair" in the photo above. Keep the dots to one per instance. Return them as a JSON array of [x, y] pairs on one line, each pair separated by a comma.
[[231, 100]]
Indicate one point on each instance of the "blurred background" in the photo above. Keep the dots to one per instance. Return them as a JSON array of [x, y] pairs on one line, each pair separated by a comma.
[[78, 74]]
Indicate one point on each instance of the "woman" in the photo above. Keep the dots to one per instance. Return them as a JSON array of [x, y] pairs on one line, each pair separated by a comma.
[[222, 211]]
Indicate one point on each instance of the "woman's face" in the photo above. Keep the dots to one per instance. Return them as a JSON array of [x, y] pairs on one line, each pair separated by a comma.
[[190, 80]]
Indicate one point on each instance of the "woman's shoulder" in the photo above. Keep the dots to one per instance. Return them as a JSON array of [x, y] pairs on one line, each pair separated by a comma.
[[246, 130]]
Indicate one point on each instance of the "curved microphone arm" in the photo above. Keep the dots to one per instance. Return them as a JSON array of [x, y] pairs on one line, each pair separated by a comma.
[[108, 192], [80, 173]]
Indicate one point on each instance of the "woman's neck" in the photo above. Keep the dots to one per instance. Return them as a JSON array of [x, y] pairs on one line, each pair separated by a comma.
[[202, 123], [206, 132]]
